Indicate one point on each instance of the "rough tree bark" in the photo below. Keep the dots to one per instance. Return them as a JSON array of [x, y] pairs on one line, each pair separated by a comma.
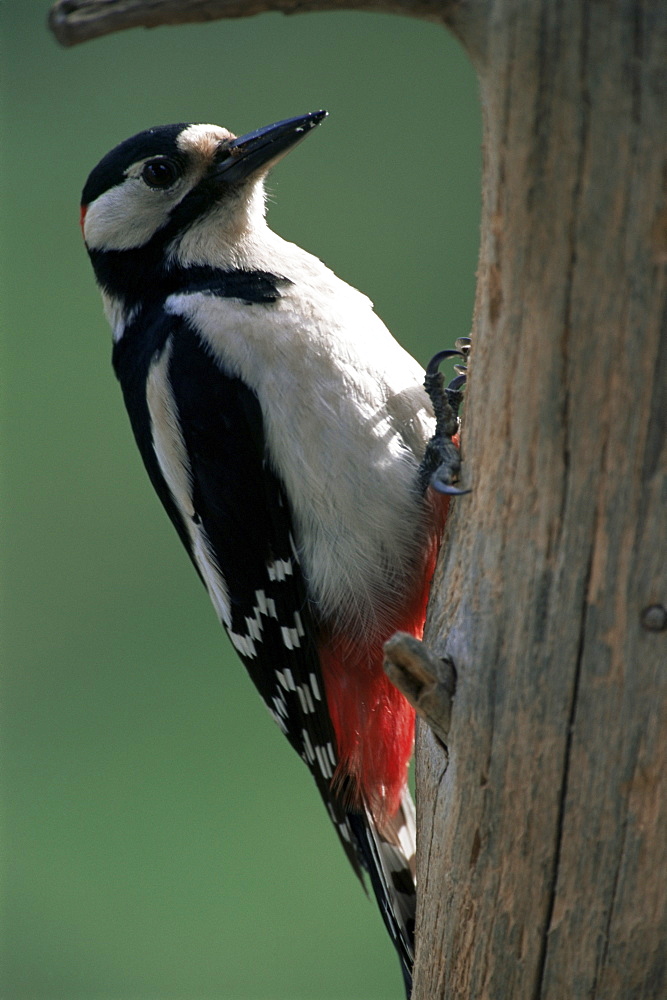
[[542, 826], [543, 846]]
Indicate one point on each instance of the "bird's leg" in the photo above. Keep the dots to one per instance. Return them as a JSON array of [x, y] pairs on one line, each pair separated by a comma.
[[441, 463]]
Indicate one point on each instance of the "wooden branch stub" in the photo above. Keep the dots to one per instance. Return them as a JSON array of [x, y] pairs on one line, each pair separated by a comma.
[[74, 21], [427, 682]]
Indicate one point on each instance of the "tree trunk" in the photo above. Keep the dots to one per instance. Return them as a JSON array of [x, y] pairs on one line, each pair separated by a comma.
[[542, 846]]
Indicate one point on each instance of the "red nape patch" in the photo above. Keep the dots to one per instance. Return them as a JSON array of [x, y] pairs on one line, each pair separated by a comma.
[[82, 217]]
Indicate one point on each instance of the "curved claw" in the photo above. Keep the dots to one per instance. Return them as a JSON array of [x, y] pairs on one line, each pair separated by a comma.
[[437, 359], [457, 382], [442, 487], [440, 465]]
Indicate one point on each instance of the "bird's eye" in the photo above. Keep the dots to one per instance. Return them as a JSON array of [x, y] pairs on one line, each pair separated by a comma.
[[160, 173]]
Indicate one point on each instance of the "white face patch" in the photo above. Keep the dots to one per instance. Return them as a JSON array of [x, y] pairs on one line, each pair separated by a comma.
[[129, 214]]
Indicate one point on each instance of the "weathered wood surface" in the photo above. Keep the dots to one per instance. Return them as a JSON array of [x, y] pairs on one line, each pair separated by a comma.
[[543, 846], [74, 21], [543, 841]]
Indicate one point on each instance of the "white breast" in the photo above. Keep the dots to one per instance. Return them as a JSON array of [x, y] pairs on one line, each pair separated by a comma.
[[346, 421]]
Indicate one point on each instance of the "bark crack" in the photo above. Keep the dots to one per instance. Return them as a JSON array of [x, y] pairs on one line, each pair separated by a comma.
[[572, 237], [566, 423], [636, 66], [434, 816], [607, 928], [564, 787]]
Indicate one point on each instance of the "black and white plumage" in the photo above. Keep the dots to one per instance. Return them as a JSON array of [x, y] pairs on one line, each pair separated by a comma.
[[282, 428]]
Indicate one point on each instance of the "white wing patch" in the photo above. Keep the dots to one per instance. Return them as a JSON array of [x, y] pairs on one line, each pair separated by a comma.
[[172, 458]]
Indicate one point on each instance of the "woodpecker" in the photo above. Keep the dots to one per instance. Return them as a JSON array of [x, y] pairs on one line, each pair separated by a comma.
[[282, 428]]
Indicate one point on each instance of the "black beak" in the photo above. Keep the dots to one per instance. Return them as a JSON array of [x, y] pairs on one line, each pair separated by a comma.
[[247, 154]]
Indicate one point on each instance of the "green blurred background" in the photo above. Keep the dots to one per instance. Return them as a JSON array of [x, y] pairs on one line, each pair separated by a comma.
[[161, 840]]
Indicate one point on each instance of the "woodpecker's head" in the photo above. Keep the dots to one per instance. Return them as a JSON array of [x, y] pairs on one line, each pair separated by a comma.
[[174, 195]]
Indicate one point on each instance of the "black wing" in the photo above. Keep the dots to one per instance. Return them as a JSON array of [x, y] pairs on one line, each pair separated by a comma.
[[238, 507]]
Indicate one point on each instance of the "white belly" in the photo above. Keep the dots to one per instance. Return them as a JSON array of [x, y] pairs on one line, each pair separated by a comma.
[[346, 421]]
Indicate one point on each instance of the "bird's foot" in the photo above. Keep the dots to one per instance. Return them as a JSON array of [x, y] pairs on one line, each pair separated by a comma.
[[441, 464]]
